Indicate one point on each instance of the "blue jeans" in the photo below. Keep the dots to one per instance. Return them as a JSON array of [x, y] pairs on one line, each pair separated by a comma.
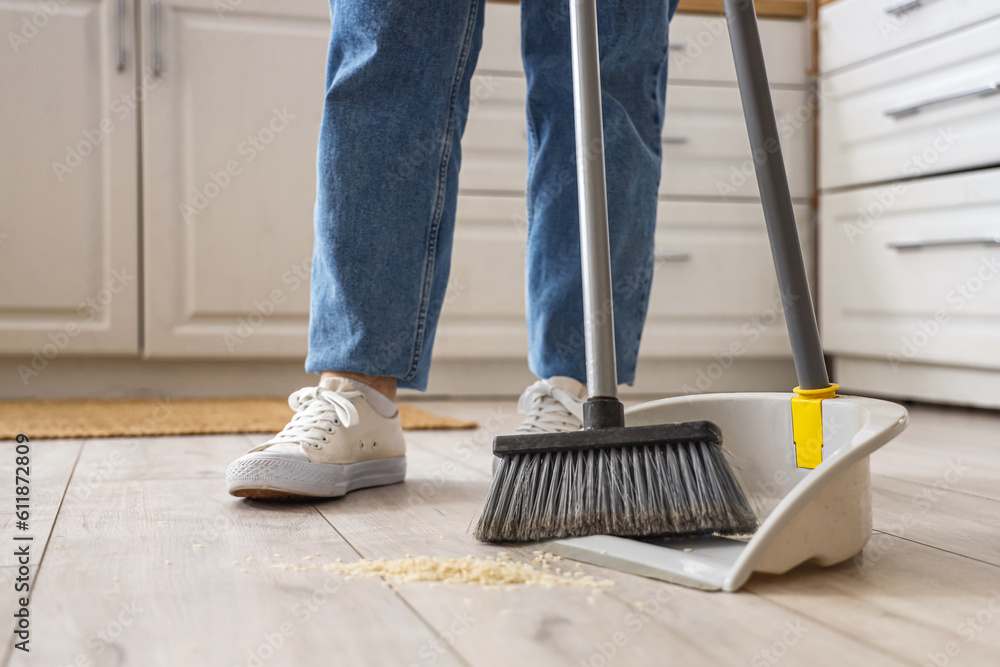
[[397, 98]]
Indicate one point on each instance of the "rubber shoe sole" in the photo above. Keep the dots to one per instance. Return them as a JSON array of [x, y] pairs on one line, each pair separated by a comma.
[[262, 477]]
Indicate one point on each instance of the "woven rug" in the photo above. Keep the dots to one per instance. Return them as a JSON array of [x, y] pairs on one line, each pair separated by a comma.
[[183, 416]]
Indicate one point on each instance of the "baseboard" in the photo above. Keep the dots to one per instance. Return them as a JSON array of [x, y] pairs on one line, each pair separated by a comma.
[[134, 378], [976, 387]]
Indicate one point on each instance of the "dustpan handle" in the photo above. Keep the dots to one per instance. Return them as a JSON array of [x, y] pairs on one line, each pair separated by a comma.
[[800, 318], [595, 254]]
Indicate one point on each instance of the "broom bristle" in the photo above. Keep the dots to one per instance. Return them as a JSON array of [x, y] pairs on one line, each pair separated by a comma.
[[636, 491]]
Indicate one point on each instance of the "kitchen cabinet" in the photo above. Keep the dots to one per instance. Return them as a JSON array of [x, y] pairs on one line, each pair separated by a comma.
[[69, 261]]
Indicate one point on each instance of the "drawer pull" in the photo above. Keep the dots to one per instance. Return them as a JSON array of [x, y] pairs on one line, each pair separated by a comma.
[[901, 8], [156, 27], [675, 139], [943, 243], [991, 88], [120, 36], [659, 257]]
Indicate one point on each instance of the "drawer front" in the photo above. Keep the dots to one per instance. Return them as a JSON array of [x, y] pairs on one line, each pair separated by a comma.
[[699, 47], [851, 31], [495, 143], [706, 152], [909, 271], [868, 136], [714, 283], [700, 50], [483, 310], [501, 52]]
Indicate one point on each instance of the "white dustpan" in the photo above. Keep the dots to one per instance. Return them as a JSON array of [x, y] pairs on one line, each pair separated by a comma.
[[821, 515]]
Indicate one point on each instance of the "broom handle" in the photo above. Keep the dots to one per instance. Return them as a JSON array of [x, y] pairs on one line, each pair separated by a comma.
[[595, 254], [800, 318]]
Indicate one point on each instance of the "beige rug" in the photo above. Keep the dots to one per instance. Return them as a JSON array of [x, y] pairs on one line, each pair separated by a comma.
[[183, 416]]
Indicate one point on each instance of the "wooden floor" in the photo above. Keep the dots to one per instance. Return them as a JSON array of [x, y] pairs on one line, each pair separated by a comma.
[[141, 558]]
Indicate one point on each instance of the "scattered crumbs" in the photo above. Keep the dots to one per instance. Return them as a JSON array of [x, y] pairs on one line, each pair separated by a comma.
[[604, 551], [316, 554], [245, 571], [112, 593], [688, 550], [294, 567], [640, 606], [505, 612], [114, 578], [385, 584], [275, 555], [492, 573], [56, 548], [441, 537], [307, 558], [167, 562], [338, 560], [591, 600], [269, 560], [161, 522], [409, 556], [467, 602], [249, 558], [196, 546]]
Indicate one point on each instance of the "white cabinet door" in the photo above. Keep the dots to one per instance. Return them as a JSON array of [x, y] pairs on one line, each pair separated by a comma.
[[229, 155], [68, 179]]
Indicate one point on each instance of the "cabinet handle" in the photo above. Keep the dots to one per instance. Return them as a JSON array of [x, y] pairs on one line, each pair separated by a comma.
[[659, 257], [904, 7], [991, 88], [943, 243], [675, 139], [120, 35], [156, 21]]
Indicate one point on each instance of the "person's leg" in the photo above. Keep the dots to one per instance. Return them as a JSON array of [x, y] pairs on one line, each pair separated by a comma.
[[633, 47], [397, 95]]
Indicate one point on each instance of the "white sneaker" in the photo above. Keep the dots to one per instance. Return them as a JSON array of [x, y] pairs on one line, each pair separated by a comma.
[[552, 406], [344, 436]]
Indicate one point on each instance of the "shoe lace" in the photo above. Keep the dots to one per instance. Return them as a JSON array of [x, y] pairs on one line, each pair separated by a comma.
[[319, 413], [548, 410]]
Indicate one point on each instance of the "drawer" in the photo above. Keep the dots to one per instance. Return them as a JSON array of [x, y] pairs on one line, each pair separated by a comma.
[[909, 271], [495, 142], [866, 137], [699, 47], [501, 52], [483, 310], [851, 31], [706, 152], [714, 282], [700, 50]]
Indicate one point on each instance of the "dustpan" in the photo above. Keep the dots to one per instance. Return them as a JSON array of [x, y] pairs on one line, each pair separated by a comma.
[[821, 515], [801, 457]]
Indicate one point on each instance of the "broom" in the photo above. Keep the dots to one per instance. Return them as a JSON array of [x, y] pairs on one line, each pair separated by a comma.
[[665, 479]]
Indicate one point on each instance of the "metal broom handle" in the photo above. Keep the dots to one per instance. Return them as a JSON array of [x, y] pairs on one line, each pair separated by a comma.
[[800, 318], [595, 254]]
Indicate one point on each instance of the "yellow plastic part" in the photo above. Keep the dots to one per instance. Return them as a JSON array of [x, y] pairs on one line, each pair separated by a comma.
[[807, 424]]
